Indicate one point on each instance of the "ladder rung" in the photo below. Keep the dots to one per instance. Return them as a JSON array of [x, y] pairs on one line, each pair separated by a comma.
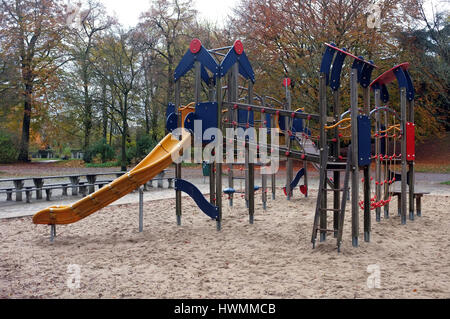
[[330, 209]]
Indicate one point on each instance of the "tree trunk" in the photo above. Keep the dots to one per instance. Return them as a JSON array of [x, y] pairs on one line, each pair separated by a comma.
[[87, 116], [104, 114], [170, 82], [154, 122], [123, 161], [147, 116], [25, 140]]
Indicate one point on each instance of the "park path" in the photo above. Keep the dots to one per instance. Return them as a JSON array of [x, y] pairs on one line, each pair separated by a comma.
[[426, 182]]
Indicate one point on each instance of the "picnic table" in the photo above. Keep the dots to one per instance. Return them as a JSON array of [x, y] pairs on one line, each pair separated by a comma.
[[75, 183]]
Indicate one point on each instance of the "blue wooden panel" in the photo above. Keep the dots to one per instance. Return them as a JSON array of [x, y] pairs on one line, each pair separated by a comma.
[[282, 122], [245, 68], [269, 122], [337, 70], [384, 94], [410, 92], [401, 78], [189, 121], [207, 113], [171, 122], [326, 62], [298, 125], [170, 109], [187, 63], [358, 65], [364, 141], [366, 74], [243, 116]]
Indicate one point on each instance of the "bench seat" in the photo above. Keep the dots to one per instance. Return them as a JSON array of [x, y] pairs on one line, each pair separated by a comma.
[[417, 195]]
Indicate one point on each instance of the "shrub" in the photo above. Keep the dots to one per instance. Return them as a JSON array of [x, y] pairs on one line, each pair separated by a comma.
[[101, 148], [144, 145], [8, 148]]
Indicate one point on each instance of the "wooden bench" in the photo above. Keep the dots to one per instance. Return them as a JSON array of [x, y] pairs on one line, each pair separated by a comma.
[[418, 197]]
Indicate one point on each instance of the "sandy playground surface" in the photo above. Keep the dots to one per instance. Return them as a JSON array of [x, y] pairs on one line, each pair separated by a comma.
[[271, 259]]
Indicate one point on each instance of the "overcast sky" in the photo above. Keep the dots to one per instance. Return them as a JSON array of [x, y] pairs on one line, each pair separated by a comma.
[[128, 11]]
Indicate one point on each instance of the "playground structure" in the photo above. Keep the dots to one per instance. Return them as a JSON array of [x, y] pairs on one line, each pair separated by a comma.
[[310, 138], [296, 127]]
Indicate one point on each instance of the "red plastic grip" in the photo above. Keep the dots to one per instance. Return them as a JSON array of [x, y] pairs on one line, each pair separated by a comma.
[[410, 142]]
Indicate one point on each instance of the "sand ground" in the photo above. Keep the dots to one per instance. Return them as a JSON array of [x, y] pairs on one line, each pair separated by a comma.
[[271, 259]]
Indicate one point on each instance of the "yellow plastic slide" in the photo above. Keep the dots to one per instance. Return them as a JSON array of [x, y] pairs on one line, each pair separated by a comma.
[[160, 158]]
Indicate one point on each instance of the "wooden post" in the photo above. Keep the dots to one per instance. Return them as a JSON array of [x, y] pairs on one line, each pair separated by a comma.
[[354, 155], [386, 168], [289, 162], [264, 125], [251, 163], [178, 166], [404, 164], [218, 161], [411, 167], [336, 174], [323, 145], [367, 208], [377, 152]]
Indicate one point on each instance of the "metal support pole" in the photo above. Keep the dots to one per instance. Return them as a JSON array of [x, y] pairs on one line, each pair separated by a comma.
[[141, 209], [52, 233]]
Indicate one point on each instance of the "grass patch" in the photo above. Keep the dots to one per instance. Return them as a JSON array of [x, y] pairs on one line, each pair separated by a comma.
[[102, 165], [432, 168], [446, 183], [191, 165]]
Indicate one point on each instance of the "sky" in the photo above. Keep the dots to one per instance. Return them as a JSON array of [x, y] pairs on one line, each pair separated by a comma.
[[128, 11], [214, 10]]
